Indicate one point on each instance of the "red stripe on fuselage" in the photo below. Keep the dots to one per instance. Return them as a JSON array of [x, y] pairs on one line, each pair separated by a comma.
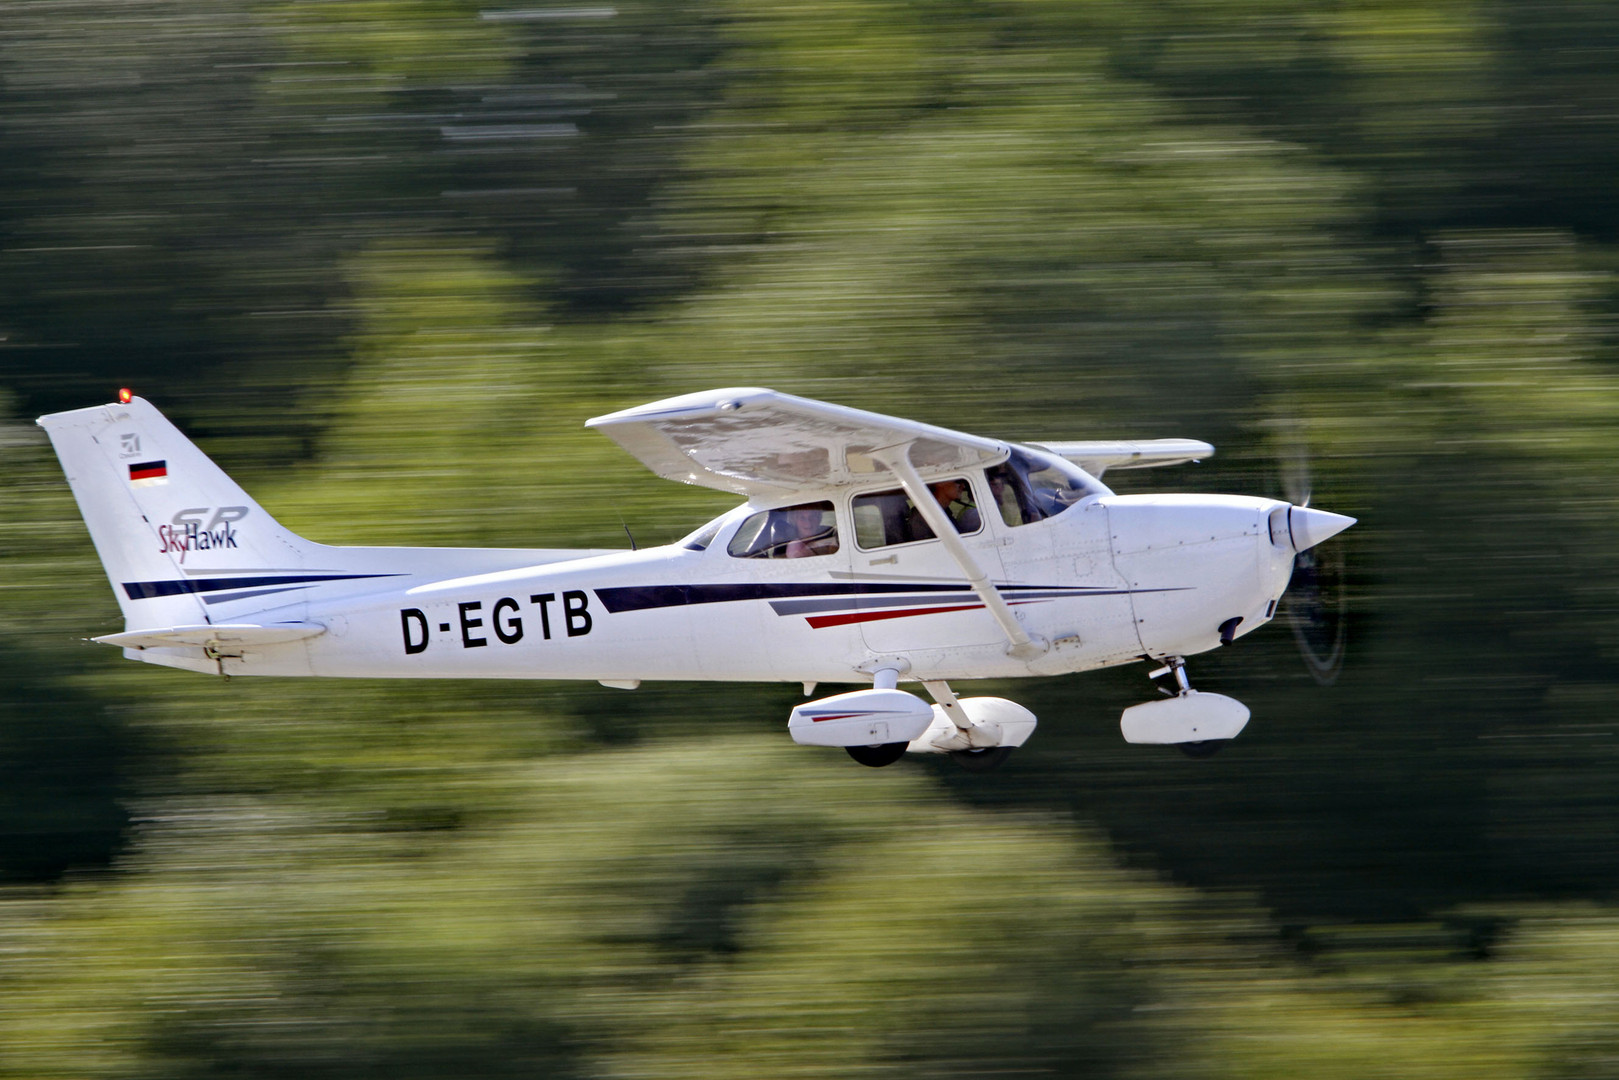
[[822, 621]]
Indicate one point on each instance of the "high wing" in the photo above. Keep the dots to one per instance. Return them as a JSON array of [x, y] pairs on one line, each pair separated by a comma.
[[1097, 457], [754, 442]]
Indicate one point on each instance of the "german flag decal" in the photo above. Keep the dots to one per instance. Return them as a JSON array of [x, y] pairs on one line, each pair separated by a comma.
[[147, 473]]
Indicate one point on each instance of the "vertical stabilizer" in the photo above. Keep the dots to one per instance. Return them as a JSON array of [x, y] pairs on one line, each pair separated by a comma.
[[166, 521]]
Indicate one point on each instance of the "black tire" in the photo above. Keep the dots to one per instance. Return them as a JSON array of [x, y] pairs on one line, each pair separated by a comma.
[[1205, 749], [878, 756], [981, 761]]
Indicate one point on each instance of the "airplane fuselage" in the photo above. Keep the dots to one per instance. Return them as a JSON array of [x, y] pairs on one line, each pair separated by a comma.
[[1104, 582]]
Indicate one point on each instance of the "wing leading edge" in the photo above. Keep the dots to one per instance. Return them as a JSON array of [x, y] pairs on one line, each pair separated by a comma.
[[753, 441]]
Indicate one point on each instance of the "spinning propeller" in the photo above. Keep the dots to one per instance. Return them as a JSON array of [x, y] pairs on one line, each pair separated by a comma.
[[1316, 603]]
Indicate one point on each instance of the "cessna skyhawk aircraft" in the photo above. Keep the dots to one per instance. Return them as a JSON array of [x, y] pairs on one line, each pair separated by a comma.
[[870, 550]]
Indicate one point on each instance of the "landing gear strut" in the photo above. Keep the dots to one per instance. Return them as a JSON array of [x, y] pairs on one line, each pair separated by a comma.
[[1176, 666], [975, 759]]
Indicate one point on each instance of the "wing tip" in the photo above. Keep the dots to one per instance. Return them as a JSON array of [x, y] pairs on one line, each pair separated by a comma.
[[725, 399]]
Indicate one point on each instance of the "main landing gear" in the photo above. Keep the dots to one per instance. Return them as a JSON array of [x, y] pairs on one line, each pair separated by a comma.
[[879, 755], [981, 761], [879, 726], [1198, 724], [975, 732], [979, 734]]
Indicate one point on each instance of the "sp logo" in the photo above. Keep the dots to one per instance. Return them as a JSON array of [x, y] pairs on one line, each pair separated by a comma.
[[223, 515], [129, 445], [200, 528]]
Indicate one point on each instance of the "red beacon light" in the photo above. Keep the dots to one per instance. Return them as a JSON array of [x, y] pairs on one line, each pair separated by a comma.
[[124, 395]]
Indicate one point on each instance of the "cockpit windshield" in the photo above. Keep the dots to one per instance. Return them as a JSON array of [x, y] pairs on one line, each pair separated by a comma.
[[699, 540], [1032, 486], [1029, 486], [787, 532]]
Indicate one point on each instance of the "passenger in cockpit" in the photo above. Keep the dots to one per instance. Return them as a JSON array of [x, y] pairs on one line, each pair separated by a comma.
[[956, 499]]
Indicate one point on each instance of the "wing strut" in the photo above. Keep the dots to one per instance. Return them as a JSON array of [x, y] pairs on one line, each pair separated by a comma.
[[897, 459]]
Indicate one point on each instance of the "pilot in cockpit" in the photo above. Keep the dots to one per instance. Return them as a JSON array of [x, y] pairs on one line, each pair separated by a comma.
[[955, 499], [787, 532], [810, 537]]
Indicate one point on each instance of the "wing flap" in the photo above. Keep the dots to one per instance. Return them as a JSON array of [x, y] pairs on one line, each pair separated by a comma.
[[1097, 457], [754, 441], [209, 636]]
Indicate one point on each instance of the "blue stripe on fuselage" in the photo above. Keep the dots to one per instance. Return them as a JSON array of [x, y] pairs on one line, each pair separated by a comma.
[[149, 590]]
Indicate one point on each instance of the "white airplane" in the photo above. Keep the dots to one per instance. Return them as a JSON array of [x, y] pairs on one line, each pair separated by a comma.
[[870, 550]]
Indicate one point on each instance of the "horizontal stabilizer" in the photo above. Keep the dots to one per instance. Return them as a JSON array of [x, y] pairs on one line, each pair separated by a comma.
[[1098, 457], [211, 637]]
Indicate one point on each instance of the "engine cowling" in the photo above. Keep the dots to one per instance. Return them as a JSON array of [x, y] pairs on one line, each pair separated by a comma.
[[860, 718]]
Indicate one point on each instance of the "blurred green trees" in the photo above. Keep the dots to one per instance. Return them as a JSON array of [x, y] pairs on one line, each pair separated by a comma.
[[382, 259]]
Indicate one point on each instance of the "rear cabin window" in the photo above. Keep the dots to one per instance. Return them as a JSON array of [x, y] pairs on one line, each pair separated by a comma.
[[882, 518], [1031, 487], [789, 532]]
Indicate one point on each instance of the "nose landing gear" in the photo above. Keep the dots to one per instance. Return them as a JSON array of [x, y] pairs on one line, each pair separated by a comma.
[[1198, 724]]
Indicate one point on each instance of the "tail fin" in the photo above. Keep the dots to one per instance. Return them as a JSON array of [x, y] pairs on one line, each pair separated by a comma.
[[166, 521]]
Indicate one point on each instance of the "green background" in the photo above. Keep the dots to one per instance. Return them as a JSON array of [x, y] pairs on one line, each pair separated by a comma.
[[381, 258]]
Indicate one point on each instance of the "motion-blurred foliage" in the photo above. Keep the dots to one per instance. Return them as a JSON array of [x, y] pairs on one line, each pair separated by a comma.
[[383, 258]]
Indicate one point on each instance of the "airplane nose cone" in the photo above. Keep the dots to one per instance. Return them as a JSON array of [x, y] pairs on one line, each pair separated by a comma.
[[1308, 528]]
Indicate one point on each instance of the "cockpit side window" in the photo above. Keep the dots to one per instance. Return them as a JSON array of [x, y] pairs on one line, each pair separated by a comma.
[[788, 532], [889, 517], [1031, 487]]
